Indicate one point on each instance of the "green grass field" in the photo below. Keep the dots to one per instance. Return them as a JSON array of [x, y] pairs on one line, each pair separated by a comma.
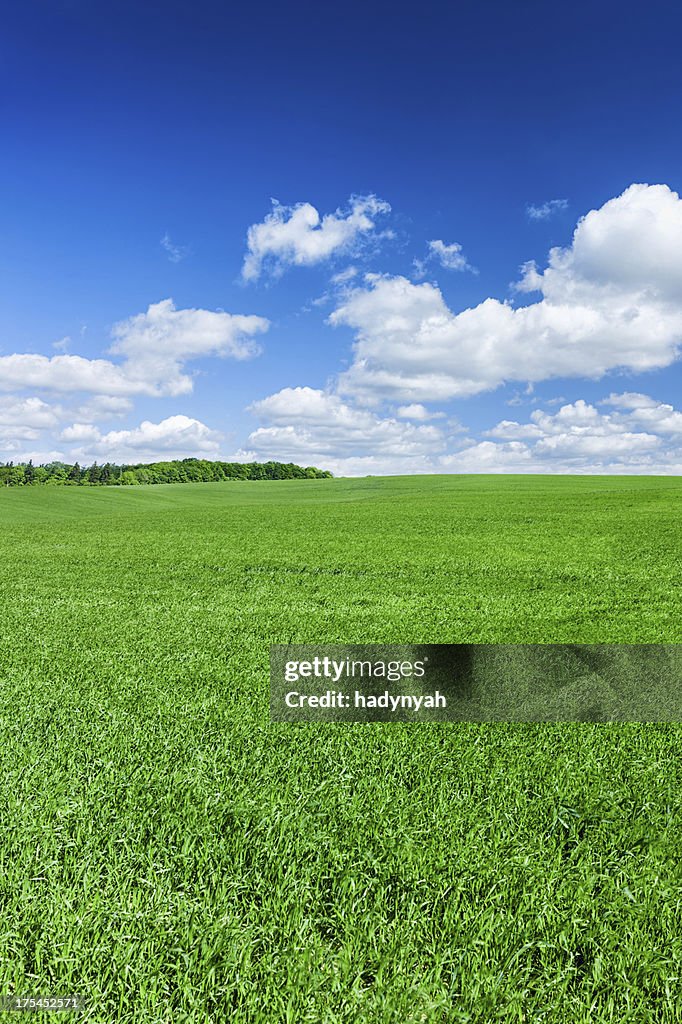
[[173, 856]]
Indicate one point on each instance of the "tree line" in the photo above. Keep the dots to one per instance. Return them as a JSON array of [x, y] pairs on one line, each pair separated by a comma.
[[178, 471]]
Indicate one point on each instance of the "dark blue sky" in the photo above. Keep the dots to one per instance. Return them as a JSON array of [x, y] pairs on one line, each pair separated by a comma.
[[124, 123]]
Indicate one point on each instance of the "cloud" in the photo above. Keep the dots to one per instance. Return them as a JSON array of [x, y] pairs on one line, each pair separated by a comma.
[[175, 437], [81, 432], [38, 456], [450, 257], [66, 373], [580, 438], [345, 275], [176, 253], [417, 412], [643, 411], [22, 420], [11, 438], [510, 430], [631, 246], [488, 457], [309, 425], [545, 210], [577, 430], [312, 426], [101, 406], [631, 400], [298, 236], [612, 300], [27, 412], [156, 344], [155, 347]]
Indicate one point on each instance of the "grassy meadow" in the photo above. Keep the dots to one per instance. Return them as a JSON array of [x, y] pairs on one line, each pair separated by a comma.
[[173, 856]]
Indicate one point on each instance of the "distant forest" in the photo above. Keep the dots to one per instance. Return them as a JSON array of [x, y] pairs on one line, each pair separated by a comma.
[[176, 472]]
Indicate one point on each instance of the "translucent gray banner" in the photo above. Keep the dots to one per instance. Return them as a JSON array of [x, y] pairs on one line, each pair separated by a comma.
[[476, 682]]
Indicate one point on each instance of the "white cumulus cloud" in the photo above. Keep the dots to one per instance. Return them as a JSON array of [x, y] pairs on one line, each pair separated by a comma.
[[23, 420], [27, 412], [299, 236], [313, 426], [103, 406], [67, 373], [176, 437], [80, 432], [611, 300], [641, 435], [417, 411], [489, 457], [155, 347], [660, 417], [451, 257]]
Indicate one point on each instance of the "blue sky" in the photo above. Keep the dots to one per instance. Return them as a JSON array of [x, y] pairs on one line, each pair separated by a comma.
[[446, 148]]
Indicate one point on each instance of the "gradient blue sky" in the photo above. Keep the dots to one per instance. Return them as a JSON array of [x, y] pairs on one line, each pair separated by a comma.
[[124, 125]]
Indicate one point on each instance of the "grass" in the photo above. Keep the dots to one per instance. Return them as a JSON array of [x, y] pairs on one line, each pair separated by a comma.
[[173, 856]]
